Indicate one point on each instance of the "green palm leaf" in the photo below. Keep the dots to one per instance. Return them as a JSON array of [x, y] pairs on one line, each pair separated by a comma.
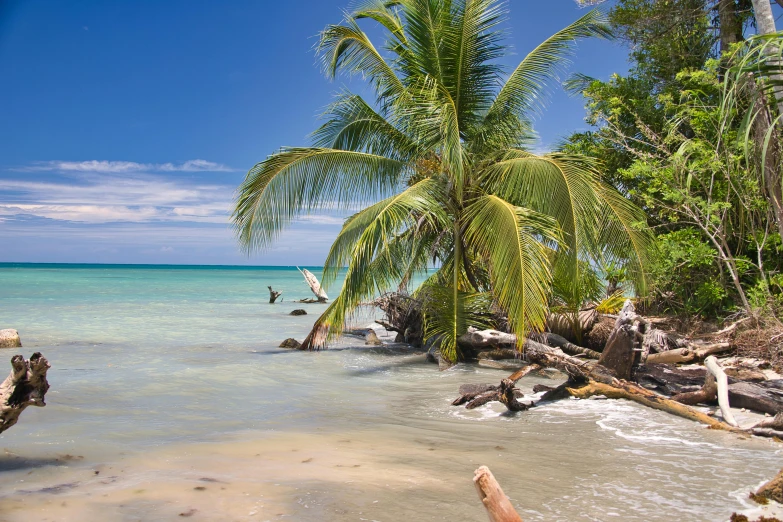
[[515, 241], [299, 180]]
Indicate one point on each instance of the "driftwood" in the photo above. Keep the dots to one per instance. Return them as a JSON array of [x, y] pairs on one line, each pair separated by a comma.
[[273, 295], [722, 382], [403, 314], [633, 392], [772, 490], [690, 354], [629, 355], [314, 285], [25, 386], [568, 347], [605, 376], [705, 395], [497, 504], [477, 395], [763, 397]]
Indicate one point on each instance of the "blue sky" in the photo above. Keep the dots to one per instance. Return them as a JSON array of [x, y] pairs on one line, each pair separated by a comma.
[[126, 126]]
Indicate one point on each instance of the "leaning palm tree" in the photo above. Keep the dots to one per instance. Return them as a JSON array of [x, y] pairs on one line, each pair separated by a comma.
[[440, 157]]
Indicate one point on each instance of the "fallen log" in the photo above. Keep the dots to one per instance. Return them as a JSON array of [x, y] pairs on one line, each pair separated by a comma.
[[557, 341], [507, 395], [524, 371], [273, 295], [678, 356], [690, 354], [632, 392], [497, 504], [668, 379], [25, 386], [755, 396], [475, 395]]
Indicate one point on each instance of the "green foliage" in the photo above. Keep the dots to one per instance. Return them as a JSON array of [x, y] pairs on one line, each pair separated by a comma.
[[666, 37], [686, 276], [611, 304], [700, 151], [443, 147]]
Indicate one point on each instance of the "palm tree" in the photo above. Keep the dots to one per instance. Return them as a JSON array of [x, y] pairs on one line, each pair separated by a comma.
[[441, 152]]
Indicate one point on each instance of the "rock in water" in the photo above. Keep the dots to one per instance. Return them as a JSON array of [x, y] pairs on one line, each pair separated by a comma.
[[298, 311], [372, 339], [290, 343], [9, 338]]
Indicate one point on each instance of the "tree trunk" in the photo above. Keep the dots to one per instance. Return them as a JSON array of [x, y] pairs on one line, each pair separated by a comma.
[[765, 24], [765, 21], [730, 24], [25, 386], [273, 295], [771, 161], [497, 504]]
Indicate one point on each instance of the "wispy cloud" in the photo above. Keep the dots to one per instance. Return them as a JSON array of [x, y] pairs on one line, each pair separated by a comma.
[[120, 167], [92, 193]]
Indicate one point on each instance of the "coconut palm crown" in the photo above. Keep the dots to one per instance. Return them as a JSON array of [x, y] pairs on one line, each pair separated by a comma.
[[440, 157]]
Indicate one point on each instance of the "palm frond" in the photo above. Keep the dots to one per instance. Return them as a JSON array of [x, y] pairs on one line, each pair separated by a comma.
[[471, 43], [348, 48], [624, 236], [515, 241], [521, 97], [352, 124], [446, 318], [380, 222], [296, 181], [382, 12], [378, 262]]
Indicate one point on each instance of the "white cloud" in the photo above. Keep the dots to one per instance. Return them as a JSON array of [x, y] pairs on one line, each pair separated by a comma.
[[82, 213], [126, 197], [119, 167]]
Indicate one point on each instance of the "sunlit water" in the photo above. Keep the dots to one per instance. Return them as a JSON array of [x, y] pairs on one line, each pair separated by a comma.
[[169, 398]]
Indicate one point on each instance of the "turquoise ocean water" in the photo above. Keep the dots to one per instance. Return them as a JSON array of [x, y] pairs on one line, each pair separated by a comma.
[[165, 376]]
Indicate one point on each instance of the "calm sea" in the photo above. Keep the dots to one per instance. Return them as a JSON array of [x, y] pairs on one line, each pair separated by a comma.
[[170, 398]]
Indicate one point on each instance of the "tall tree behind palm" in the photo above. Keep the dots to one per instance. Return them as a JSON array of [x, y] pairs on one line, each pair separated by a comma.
[[443, 148]]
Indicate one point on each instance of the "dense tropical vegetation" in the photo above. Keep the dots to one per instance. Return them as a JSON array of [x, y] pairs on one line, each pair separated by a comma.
[[693, 135], [443, 146]]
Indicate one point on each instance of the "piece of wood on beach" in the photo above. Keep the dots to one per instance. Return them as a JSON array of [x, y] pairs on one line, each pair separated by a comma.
[[497, 504], [273, 295], [314, 285], [25, 386]]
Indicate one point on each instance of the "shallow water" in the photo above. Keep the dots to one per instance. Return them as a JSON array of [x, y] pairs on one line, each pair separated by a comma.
[[170, 399]]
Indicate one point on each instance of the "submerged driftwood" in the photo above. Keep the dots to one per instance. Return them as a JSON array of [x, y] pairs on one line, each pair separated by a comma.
[[273, 295], [315, 286], [25, 386]]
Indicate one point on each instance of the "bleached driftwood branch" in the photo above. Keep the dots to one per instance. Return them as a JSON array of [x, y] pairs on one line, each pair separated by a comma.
[[497, 504], [314, 285]]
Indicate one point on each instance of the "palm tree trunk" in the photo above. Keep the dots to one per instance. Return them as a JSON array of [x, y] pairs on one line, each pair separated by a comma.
[[765, 24], [771, 173], [730, 24]]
